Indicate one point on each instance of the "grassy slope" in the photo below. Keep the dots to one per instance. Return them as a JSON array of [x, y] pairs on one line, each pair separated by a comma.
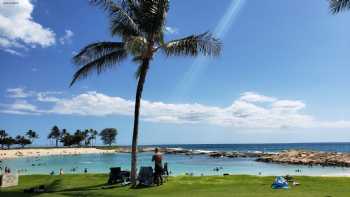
[[91, 185]]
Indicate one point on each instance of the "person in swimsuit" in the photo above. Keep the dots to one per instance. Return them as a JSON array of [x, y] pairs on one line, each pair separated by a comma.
[[158, 167]]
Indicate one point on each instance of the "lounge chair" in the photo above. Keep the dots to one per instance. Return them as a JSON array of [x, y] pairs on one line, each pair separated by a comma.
[[145, 176], [116, 175]]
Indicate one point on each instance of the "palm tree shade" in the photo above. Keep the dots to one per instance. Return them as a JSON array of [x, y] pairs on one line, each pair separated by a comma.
[[140, 25]]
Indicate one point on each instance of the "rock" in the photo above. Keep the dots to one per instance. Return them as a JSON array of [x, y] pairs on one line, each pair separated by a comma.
[[308, 158]]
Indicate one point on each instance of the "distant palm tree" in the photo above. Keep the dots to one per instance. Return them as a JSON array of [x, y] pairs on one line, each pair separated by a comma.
[[141, 25], [337, 6], [64, 132], [93, 135], [22, 140], [55, 134], [9, 141], [32, 135], [86, 136], [3, 135]]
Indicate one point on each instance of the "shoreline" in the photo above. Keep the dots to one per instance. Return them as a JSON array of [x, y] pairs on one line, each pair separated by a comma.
[[54, 151], [39, 152], [293, 157]]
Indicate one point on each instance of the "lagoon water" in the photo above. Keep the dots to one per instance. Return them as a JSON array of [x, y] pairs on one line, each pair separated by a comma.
[[181, 164]]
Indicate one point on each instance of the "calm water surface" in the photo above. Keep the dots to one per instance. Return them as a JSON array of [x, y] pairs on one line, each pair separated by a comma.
[[181, 164]]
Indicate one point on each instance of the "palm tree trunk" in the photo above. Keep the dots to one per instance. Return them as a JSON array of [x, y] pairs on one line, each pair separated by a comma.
[[141, 81]]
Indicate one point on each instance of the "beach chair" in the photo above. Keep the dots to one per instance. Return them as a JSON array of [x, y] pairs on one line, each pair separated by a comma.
[[145, 176], [116, 175]]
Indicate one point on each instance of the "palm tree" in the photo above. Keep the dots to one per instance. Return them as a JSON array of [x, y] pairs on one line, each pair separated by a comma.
[[9, 141], [22, 140], [337, 6], [92, 138], [3, 135], [140, 24], [55, 134], [32, 135]]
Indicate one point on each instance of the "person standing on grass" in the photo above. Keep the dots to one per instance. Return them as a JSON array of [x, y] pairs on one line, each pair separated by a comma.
[[158, 166]]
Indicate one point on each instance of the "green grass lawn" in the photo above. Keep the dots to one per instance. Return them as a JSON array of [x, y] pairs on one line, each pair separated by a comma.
[[91, 185]]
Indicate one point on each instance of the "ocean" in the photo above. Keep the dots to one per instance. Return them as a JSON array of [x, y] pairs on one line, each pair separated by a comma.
[[328, 147], [181, 164]]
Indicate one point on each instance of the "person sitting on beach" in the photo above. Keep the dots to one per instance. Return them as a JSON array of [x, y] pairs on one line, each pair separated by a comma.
[[7, 170], [158, 167]]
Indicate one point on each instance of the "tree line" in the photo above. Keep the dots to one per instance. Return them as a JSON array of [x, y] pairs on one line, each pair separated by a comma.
[[21, 140], [80, 138]]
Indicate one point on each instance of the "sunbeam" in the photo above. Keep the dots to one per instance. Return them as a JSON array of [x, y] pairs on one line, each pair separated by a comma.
[[200, 64]]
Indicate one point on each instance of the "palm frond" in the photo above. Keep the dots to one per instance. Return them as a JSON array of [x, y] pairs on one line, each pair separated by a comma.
[[98, 57], [337, 6], [105, 4], [150, 14], [121, 22], [96, 50], [193, 45]]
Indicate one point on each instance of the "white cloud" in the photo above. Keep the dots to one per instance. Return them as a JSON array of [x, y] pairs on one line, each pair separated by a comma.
[[67, 38], [18, 28], [254, 97], [171, 30], [13, 52], [288, 105], [250, 110], [21, 107], [47, 96], [18, 93]]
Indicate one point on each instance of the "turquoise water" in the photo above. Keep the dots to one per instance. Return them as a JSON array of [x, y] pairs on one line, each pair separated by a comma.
[[178, 164]]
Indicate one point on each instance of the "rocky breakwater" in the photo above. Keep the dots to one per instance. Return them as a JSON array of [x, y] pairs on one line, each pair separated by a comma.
[[236, 154], [213, 154], [300, 157]]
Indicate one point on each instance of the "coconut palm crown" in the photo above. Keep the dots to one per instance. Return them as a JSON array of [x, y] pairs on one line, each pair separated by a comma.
[[140, 26]]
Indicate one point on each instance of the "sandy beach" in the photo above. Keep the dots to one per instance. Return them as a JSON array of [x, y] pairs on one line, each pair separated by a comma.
[[37, 152]]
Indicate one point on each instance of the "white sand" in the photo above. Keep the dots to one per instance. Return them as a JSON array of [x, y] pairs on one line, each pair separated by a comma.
[[18, 153]]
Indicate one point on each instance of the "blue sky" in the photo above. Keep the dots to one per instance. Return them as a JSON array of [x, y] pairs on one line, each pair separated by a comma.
[[282, 76]]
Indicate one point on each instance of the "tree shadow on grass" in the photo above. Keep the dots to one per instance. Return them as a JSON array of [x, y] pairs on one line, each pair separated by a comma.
[[96, 190], [144, 187], [54, 187]]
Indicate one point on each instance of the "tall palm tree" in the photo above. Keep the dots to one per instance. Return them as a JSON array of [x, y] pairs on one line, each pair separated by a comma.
[[140, 24], [339, 5]]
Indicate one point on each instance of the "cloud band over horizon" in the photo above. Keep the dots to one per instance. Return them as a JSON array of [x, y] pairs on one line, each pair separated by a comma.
[[251, 110]]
